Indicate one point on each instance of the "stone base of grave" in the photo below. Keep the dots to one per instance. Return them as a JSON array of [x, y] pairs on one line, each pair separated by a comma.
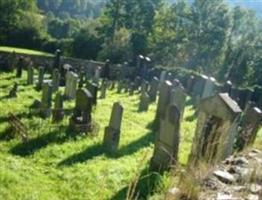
[[79, 127], [111, 139], [162, 159]]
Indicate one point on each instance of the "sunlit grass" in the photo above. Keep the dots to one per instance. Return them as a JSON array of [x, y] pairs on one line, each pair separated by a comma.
[[23, 51]]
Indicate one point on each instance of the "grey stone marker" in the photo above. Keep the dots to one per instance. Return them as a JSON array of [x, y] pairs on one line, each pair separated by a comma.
[[144, 102], [103, 89], [46, 101], [58, 112], [209, 87], [163, 101], [41, 74], [55, 79], [71, 85], [167, 140], [93, 88], [81, 121], [144, 86], [216, 129], [178, 97], [30, 75], [250, 124], [97, 75], [163, 76], [154, 85], [112, 131]]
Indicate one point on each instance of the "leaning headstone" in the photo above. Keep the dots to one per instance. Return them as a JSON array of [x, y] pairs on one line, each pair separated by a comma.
[[167, 140], [178, 97], [249, 126], [144, 102], [112, 132], [216, 129], [46, 101], [58, 112], [93, 88], [13, 91], [163, 101], [81, 121], [154, 84], [41, 74], [55, 79], [30, 75], [103, 89]]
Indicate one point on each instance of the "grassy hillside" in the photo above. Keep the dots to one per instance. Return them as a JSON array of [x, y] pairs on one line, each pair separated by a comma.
[[23, 51], [56, 165]]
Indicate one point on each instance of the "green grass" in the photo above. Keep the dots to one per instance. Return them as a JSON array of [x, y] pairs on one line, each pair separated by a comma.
[[54, 165], [23, 51]]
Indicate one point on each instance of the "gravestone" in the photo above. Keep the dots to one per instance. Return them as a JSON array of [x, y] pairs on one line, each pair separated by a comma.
[[178, 97], [81, 121], [144, 86], [57, 59], [97, 75], [58, 112], [55, 79], [167, 140], [209, 87], [13, 91], [30, 75], [112, 131], [189, 84], [81, 79], [154, 85], [120, 86], [46, 101], [41, 74], [103, 89], [19, 67], [216, 129], [144, 102], [93, 88], [163, 76], [249, 126], [71, 85], [131, 88], [163, 101], [106, 71]]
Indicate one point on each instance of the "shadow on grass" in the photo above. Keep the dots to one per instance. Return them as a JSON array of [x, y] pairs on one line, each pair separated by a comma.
[[33, 145], [141, 188], [98, 149]]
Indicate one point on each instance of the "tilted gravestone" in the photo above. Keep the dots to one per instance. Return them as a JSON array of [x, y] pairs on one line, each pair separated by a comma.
[[216, 129], [163, 101], [41, 74], [209, 88], [154, 85], [144, 102], [249, 126], [167, 140], [112, 131], [198, 87], [55, 79], [30, 75], [178, 97], [46, 102], [71, 85], [93, 88], [103, 89], [81, 121], [58, 112]]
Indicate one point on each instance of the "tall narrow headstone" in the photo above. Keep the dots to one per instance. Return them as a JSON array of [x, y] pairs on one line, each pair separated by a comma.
[[178, 97], [55, 79], [93, 88], [71, 85], [46, 101], [154, 85], [103, 89], [58, 112], [41, 74], [144, 102], [167, 140], [30, 75], [112, 131], [19, 67]]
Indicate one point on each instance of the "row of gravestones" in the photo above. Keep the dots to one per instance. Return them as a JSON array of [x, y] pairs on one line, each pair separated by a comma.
[[222, 127]]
